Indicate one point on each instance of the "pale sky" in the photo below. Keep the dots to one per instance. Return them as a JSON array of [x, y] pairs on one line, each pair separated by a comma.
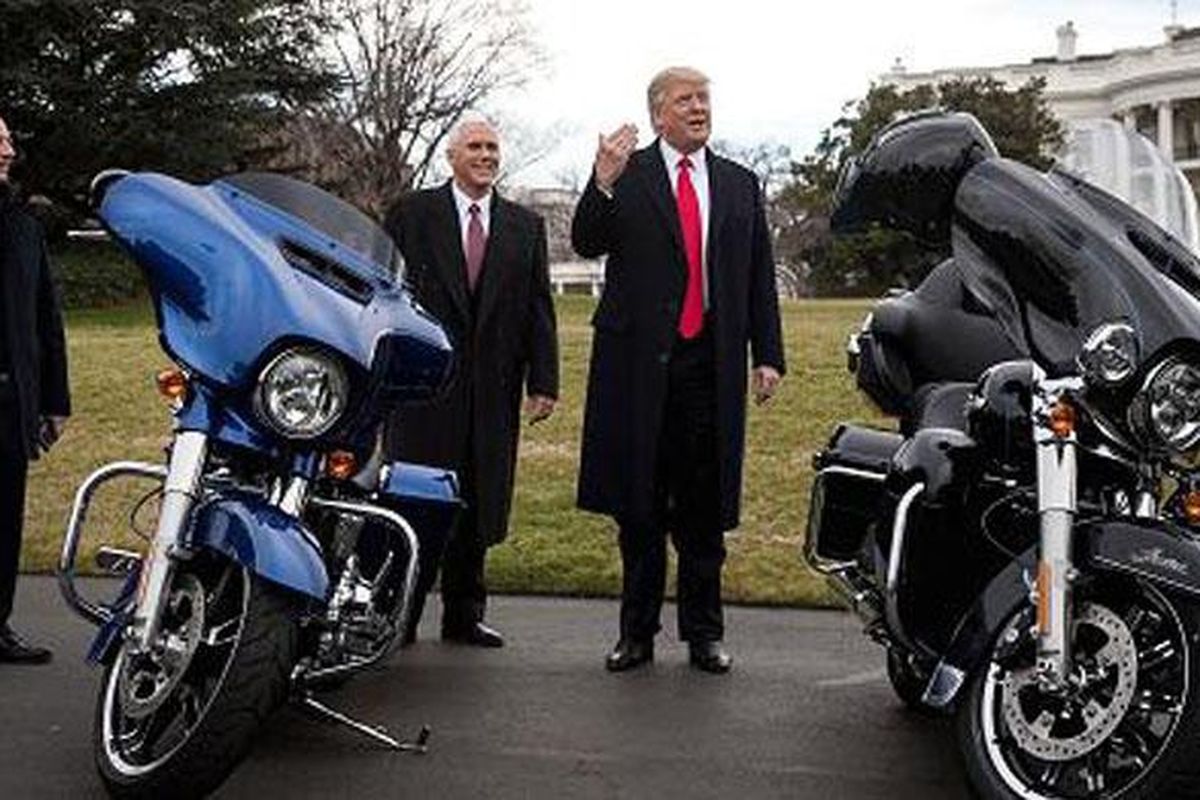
[[782, 70]]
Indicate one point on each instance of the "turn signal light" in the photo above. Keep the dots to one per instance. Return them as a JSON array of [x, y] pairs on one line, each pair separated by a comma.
[[172, 384], [1062, 419], [1191, 507], [341, 465], [1043, 598]]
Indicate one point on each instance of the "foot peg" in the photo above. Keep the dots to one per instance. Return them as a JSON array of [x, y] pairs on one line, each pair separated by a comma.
[[116, 561], [380, 734]]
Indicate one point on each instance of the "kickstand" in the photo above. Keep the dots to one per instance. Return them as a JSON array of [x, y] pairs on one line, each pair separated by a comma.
[[379, 734]]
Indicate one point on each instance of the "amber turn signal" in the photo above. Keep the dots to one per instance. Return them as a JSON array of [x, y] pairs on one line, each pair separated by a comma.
[[1043, 598], [1191, 507], [341, 465], [172, 383], [1062, 419]]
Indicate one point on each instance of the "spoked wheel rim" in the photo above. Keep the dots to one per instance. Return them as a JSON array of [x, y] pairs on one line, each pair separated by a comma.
[[153, 705], [1120, 716]]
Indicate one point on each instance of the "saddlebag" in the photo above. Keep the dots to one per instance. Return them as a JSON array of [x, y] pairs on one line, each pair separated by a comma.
[[847, 492]]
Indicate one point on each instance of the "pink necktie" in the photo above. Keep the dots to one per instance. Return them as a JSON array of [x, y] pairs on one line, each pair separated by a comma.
[[691, 319], [476, 244]]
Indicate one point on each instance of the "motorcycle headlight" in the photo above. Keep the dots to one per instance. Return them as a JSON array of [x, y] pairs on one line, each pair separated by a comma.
[[1110, 354], [1167, 409], [302, 393]]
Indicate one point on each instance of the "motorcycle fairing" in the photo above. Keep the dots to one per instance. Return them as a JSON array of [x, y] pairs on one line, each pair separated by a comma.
[[225, 293], [204, 411], [261, 537], [1051, 263]]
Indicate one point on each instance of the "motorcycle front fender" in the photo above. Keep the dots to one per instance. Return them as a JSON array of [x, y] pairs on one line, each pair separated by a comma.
[[977, 629], [264, 539], [426, 496], [1156, 551]]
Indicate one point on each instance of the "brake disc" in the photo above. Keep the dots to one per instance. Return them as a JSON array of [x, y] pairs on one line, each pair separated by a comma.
[[1038, 730], [148, 679]]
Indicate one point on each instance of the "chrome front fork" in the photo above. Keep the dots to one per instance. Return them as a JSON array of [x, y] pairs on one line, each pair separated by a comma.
[[1057, 473], [182, 487]]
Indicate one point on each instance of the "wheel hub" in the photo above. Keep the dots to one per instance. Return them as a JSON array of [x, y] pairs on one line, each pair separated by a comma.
[[148, 679], [1063, 727]]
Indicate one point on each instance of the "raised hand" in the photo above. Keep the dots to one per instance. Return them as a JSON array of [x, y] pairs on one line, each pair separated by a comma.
[[612, 155]]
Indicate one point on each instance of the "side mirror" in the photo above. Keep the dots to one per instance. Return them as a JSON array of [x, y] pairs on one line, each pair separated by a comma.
[[102, 183]]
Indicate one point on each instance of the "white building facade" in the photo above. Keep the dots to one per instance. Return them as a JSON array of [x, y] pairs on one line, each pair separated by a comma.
[[1154, 90]]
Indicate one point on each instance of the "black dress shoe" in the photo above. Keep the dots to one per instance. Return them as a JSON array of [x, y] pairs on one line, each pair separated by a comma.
[[709, 657], [476, 634], [629, 653], [14, 650]]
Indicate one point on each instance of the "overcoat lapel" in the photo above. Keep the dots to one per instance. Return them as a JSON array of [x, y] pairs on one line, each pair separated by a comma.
[[11, 282], [658, 184], [718, 208], [494, 257], [450, 261]]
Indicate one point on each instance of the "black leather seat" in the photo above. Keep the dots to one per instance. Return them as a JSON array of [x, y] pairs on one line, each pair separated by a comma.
[[936, 340]]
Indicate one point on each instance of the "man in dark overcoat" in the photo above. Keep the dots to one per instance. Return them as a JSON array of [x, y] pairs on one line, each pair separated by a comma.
[[34, 396], [478, 263], [689, 285]]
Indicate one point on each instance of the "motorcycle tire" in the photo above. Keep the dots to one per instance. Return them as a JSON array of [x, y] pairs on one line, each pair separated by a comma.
[[1172, 772], [252, 683]]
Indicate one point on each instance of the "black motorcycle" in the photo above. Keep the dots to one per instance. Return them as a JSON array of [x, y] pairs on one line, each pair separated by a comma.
[[1027, 546]]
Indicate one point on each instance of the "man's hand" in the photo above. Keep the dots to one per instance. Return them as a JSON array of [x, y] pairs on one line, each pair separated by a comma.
[[50, 428], [613, 154], [538, 407], [765, 380]]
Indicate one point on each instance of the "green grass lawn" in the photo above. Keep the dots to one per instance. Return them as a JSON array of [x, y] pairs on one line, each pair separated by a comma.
[[553, 547]]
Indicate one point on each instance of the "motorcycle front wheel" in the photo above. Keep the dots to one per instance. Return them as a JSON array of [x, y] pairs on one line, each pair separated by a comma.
[[177, 721], [1126, 726]]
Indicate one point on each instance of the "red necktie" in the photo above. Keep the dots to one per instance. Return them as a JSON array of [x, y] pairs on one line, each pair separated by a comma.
[[476, 244], [691, 319]]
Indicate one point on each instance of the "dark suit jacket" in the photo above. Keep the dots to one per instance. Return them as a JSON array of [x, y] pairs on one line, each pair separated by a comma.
[[29, 311], [635, 324], [504, 336]]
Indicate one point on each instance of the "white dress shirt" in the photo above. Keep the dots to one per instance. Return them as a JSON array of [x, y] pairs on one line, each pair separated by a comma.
[[699, 174], [463, 203]]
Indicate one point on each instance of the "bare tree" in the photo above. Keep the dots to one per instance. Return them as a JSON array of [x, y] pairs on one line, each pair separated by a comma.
[[410, 70], [770, 161]]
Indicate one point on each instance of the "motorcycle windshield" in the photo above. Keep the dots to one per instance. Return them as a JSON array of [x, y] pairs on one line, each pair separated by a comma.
[[336, 219], [1052, 257]]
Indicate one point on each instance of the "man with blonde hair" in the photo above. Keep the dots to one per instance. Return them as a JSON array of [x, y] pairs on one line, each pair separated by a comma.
[[478, 262], [689, 286]]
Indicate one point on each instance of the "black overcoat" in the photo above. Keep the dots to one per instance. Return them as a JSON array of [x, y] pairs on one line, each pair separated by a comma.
[[30, 313], [635, 325], [504, 339]]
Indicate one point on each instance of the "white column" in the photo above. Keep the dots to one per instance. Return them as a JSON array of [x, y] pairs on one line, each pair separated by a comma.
[[1129, 119], [1166, 144], [1166, 130]]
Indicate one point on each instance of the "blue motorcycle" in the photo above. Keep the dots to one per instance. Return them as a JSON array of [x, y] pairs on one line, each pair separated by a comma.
[[285, 551]]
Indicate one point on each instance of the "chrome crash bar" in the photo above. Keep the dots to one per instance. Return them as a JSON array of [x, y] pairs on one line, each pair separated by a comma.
[[400, 617], [92, 612]]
